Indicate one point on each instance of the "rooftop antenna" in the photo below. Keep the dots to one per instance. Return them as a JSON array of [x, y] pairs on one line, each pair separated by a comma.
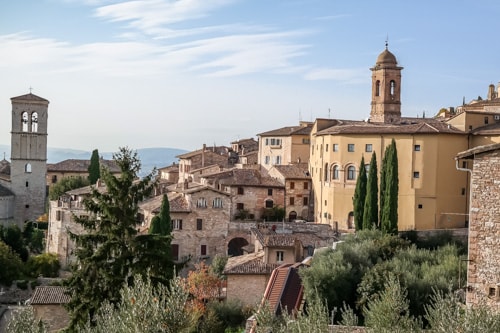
[[328, 113]]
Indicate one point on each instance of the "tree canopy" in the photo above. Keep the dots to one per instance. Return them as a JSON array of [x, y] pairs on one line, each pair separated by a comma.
[[110, 251]]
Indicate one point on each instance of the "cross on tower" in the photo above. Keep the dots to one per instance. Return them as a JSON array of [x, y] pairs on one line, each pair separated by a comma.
[[31, 89]]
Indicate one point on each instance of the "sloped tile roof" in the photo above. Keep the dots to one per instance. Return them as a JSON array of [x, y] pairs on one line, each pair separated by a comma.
[[478, 150], [50, 295], [406, 126], [75, 165], [5, 167], [278, 240], [248, 177], [218, 150], [491, 129], [288, 131], [29, 97], [252, 263], [294, 171]]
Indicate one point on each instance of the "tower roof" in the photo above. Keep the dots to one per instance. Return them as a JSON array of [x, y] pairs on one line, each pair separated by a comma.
[[29, 97], [386, 58]]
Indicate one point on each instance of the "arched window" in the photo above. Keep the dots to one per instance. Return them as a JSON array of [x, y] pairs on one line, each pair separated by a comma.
[[34, 122], [24, 121], [351, 172], [393, 88], [269, 203], [201, 203], [335, 173], [27, 168], [326, 172], [217, 203], [377, 88]]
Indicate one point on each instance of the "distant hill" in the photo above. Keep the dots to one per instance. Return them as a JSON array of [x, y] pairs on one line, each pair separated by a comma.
[[150, 157]]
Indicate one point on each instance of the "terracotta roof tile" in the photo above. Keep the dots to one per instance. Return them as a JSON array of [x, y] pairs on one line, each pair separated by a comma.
[[288, 131], [50, 295], [406, 126], [247, 177], [491, 129], [249, 264], [75, 165], [294, 171]]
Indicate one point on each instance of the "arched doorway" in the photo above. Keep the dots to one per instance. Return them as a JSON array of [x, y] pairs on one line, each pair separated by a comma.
[[292, 216], [234, 248]]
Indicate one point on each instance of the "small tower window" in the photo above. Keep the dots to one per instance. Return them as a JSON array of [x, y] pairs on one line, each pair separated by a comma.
[[393, 88], [27, 168], [24, 122], [34, 122], [269, 203], [377, 88]]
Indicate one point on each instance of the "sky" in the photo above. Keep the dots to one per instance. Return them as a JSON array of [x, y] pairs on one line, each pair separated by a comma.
[[183, 73]]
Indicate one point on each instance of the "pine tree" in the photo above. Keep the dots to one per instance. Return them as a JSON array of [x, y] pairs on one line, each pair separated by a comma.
[[94, 167], [389, 208], [110, 252], [370, 212], [360, 195]]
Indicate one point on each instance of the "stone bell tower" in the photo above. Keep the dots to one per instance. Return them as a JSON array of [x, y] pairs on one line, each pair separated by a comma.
[[29, 156], [386, 89]]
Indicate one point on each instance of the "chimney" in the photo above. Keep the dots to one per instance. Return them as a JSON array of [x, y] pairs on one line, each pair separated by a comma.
[[203, 155]]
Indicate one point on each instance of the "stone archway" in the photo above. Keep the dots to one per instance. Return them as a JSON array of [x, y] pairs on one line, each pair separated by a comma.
[[235, 246], [292, 216]]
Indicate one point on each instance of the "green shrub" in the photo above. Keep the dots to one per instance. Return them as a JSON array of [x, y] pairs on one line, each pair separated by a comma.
[[10, 263], [46, 264]]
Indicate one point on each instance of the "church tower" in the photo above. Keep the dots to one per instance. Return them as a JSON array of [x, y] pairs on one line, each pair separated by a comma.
[[29, 156], [386, 89]]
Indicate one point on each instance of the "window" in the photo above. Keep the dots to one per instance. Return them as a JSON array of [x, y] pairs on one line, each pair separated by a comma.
[[492, 291], [34, 122], [269, 203], [368, 148], [54, 179], [351, 172], [199, 224], [326, 147], [350, 147], [24, 122], [292, 201], [175, 252], [27, 206], [335, 172], [269, 191], [201, 203], [278, 160], [27, 168], [58, 215], [275, 142], [280, 256], [416, 174], [305, 201], [486, 120], [335, 147], [463, 190], [217, 203], [377, 88], [27, 184], [203, 250], [267, 160], [326, 172], [306, 185], [267, 142], [177, 224], [240, 206], [393, 88], [292, 185], [240, 190], [305, 141], [420, 206], [416, 148]]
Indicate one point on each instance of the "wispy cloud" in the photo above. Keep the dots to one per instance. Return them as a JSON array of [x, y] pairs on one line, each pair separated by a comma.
[[345, 75]]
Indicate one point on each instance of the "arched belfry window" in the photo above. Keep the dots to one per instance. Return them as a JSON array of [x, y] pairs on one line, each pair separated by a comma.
[[34, 122], [377, 88], [24, 121], [393, 88], [27, 168]]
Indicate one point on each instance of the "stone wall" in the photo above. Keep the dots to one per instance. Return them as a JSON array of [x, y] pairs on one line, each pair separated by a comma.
[[249, 289], [484, 234]]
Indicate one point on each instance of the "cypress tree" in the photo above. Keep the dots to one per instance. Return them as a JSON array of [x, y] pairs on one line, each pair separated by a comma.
[[370, 213], [360, 195], [389, 215], [162, 224], [110, 251], [94, 167]]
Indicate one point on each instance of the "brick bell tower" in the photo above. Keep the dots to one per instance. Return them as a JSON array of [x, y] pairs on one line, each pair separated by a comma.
[[386, 89], [28, 156]]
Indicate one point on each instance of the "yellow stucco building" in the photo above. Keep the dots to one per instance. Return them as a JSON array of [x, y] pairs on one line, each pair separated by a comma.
[[433, 194]]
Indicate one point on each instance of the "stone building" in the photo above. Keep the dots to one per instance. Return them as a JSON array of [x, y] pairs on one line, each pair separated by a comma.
[[48, 305], [483, 273], [76, 168], [23, 194], [207, 156]]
